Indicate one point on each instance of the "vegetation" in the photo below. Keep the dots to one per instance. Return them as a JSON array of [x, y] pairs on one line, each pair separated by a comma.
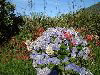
[[8, 21], [14, 30]]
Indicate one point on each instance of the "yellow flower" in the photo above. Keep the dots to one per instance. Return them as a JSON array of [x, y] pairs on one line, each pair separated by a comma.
[[49, 50]]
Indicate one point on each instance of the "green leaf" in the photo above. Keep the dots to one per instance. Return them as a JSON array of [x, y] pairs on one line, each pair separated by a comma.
[[51, 66], [63, 46], [79, 47], [72, 59], [53, 39]]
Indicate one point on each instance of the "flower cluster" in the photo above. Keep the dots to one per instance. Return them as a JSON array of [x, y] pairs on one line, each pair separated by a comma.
[[58, 46]]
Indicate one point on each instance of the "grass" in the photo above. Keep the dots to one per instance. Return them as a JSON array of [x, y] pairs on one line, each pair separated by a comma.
[[17, 67]]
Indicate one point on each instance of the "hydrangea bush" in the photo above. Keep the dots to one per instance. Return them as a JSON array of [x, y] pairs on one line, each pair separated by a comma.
[[58, 50]]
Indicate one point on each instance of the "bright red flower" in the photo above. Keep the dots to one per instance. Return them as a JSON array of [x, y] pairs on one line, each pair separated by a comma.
[[68, 35], [89, 37]]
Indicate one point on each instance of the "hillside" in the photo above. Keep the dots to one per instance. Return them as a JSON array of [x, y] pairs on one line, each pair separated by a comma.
[[95, 9]]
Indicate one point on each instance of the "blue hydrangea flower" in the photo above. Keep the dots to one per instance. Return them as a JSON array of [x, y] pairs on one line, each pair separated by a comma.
[[44, 71], [44, 41], [80, 70], [72, 66], [54, 60], [65, 59]]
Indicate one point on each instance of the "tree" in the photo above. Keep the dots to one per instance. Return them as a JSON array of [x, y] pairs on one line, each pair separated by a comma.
[[8, 21]]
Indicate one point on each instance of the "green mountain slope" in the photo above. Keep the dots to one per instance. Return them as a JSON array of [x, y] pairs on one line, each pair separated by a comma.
[[95, 9]]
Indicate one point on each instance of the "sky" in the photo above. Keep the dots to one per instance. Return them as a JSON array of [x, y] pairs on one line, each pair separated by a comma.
[[53, 7]]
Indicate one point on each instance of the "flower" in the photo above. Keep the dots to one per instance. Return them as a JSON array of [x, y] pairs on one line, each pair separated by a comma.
[[84, 43], [65, 59], [44, 71], [49, 50], [34, 64], [59, 50], [73, 55], [53, 60], [89, 37], [73, 42], [81, 71], [68, 35], [84, 71], [98, 43]]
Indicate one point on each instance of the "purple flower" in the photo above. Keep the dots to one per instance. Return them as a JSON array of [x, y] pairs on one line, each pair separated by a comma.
[[73, 54], [84, 71], [74, 49], [55, 46], [65, 59], [58, 40], [40, 62], [54, 60], [72, 66], [80, 70], [44, 41]]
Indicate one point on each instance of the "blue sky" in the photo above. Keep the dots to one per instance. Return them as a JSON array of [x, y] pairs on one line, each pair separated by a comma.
[[53, 7]]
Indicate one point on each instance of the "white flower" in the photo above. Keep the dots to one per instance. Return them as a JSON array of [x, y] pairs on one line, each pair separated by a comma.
[[44, 71], [34, 64], [49, 50]]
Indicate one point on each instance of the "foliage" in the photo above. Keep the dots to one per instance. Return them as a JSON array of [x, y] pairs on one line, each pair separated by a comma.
[[8, 21]]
